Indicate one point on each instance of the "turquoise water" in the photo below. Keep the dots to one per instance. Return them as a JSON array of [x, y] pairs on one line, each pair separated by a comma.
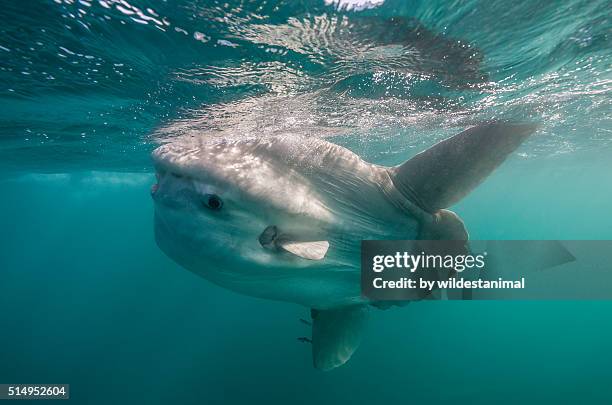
[[89, 88]]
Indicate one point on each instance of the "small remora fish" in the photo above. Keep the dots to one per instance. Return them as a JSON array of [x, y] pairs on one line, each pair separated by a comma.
[[282, 217]]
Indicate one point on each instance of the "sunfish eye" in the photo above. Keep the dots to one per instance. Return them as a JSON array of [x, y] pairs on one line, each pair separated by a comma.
[[213, 202]]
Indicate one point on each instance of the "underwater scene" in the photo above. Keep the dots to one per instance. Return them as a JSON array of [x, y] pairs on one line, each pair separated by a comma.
[[186, 185]]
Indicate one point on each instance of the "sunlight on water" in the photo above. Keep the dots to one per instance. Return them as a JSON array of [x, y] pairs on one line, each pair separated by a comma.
[[97, 84]]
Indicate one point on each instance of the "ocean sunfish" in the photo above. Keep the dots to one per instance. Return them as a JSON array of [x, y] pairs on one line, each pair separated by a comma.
[[282, 217]]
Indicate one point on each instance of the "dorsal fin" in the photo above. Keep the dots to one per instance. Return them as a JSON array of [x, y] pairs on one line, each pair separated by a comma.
[[445, 173]]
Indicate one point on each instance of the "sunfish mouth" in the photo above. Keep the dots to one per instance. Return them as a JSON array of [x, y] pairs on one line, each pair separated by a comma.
[[160, 174], [169, 160], [155, 186]]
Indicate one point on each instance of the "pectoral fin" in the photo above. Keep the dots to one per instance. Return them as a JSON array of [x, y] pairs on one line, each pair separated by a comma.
[[272, 239], [307, 250], [336, 334]]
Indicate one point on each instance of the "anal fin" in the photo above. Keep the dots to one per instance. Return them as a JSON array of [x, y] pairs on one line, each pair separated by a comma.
[[336, 334]]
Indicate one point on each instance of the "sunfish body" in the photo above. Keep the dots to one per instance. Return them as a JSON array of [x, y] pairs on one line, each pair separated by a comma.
[[283, 217]]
